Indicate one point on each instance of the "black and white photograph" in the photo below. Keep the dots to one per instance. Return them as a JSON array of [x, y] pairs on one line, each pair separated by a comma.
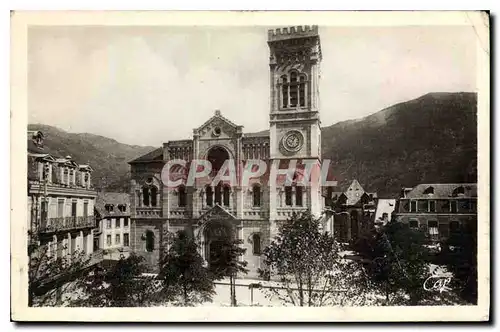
[[271, 162]]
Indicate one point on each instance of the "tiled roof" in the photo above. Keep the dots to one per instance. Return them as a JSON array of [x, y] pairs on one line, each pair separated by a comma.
[[115, 199], [155, 155], [264, 133], [442, 190]]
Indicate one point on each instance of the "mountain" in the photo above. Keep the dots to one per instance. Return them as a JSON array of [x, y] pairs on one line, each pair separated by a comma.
[[106, 156], [429, 139]]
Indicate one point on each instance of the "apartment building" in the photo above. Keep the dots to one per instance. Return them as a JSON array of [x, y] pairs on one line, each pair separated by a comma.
[[112, 211], [439, 208], [60, 201]]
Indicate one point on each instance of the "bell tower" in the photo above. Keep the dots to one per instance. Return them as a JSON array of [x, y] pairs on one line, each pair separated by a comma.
[[295, 132], [295, 56]]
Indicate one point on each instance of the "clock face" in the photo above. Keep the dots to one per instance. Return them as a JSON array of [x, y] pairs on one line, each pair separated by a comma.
[[292, 141]]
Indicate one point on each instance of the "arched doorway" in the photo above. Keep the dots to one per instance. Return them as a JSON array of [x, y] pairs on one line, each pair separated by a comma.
[[217, 235]]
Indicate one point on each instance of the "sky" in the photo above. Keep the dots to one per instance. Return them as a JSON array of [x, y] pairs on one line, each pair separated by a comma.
[[149, 85]]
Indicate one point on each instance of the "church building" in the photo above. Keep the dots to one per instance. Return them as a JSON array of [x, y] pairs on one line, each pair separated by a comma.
[[250, 212]]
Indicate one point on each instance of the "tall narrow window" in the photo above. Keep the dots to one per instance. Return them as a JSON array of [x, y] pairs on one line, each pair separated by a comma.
[[226, 194], [453, 206], [454, 226], [433, 230], [256, 195], [413, 223], [302, 91], [284, 91], [432, 206], [145, 196], [150, 241], [126, 240], [182, 196], [154, 196], [85, 209], [298, 196], [209, 196], [218, 194], [293, 89], [44, 209], [256, 244], [413, 206], [288, 196]]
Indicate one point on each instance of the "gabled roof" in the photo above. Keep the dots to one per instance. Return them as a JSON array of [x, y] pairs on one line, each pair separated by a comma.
[[155, 155], [66, 161], [264, 133], [85, 167], [443, 190], [354, 192], [217, 211], [218, 116]]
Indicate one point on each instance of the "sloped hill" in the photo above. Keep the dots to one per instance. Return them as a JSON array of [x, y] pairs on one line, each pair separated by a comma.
[[429, 139]]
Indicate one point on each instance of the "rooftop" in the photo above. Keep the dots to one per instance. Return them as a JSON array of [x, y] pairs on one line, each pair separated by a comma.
[[292, 32]]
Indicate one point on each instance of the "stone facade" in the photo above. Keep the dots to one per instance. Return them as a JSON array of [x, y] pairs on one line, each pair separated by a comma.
[[438, 209], [60, 201], [249, 211]]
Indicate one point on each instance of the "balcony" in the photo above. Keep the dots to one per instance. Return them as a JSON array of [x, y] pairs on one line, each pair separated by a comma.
[[67, 223]]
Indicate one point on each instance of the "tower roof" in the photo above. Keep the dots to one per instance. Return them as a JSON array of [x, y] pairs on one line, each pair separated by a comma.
[[292, 32]]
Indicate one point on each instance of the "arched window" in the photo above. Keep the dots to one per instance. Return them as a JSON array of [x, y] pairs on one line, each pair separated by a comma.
[[298, 196], [293, 90], [256, 244], [210, 196], [256, 195], [284, 91], [302, 91], [459, 191], [226, 192], [154, 195], [288, 196], [145, 196], [182, 196], [150, 241], [218, 194]]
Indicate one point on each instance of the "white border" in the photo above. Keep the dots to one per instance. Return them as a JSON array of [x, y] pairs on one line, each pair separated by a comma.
[[20, 311]]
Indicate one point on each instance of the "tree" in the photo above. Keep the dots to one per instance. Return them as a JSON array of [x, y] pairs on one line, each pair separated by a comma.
[[309, 266], [229, 264], [50, 275], [460, 257], [396, 258], [182, 269], [121, 285]]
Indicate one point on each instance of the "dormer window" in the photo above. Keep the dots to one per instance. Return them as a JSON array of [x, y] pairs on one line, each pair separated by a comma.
[[429, 191], [109, 207], [122, 207], [459, 191], [66, 176]]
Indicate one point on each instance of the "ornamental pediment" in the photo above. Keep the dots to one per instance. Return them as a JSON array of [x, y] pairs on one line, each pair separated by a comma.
[[217, 127]]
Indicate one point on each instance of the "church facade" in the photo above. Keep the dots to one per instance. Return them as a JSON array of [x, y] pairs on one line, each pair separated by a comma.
[[248, 211]]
